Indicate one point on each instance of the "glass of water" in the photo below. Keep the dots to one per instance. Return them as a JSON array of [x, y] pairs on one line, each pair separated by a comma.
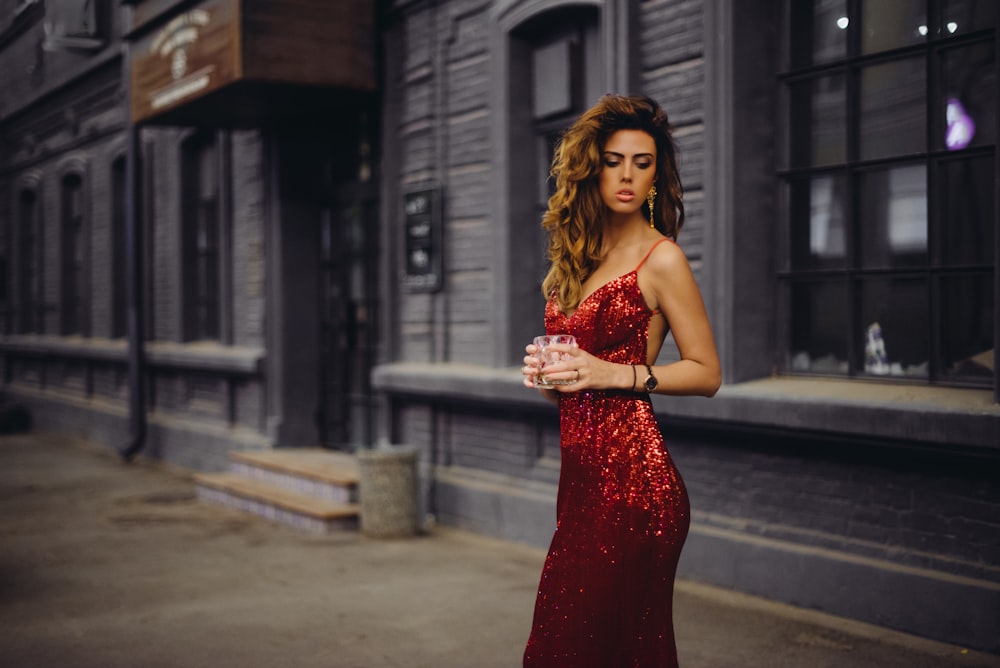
[[549, 356]]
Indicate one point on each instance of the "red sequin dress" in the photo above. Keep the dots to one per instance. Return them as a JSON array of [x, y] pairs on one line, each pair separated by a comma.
[[622, 513]]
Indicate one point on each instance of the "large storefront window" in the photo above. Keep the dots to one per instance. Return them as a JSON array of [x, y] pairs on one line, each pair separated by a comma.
[[889, 188]]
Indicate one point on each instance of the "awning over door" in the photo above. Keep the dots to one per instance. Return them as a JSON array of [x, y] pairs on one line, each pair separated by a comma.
[[248, 63]]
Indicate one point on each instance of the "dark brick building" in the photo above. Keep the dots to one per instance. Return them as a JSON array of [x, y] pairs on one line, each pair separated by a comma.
[[840, 166]]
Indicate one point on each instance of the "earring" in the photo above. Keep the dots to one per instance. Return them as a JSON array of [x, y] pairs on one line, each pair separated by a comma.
[[650, 198]]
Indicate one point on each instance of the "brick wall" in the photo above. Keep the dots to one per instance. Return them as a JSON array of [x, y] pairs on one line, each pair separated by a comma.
[[933, 511]]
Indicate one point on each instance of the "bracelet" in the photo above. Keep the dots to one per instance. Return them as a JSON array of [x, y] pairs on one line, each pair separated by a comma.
[[634, 378]]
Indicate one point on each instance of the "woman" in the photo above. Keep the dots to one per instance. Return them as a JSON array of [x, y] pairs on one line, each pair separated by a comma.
[[618, 283]]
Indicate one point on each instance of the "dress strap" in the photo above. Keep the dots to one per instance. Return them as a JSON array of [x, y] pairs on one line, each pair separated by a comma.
[[650, 252]]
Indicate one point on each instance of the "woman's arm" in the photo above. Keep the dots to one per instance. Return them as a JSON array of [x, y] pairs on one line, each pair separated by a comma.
[[669, 280]]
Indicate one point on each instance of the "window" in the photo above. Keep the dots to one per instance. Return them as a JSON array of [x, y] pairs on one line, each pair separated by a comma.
[[75, 24], [201, 238], [889, 188], [556, 73], [28, 313], [73, 288], [119, 305]]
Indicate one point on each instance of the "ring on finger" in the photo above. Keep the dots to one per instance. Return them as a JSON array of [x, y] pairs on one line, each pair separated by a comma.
[[577, 379]]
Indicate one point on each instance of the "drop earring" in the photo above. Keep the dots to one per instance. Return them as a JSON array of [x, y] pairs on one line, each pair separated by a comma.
[[650, 198]]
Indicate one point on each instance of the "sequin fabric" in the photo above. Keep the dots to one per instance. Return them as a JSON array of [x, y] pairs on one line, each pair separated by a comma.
[[606, 593]]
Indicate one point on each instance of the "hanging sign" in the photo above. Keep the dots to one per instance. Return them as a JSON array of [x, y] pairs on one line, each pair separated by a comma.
[[189, 56]]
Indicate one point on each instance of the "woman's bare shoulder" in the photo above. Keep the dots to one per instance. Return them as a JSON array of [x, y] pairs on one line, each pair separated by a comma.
[[667, 259]]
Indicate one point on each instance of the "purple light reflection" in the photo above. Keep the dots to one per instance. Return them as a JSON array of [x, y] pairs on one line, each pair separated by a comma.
[[961, 128]]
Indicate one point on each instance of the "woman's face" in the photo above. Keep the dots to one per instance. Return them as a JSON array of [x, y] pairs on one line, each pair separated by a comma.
[[629, 171]]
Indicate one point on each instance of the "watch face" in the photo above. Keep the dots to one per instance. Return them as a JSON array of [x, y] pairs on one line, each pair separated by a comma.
[[651, 383]]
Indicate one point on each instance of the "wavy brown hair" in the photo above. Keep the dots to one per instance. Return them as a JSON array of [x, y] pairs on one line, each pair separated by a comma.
[[575, 216]]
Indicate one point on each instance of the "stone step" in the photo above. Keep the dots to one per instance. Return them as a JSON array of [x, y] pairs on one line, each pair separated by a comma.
[[276, 503], [311, 471]]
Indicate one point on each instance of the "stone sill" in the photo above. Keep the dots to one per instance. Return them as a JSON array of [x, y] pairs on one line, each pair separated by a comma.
[[941, 418], [201, 356]]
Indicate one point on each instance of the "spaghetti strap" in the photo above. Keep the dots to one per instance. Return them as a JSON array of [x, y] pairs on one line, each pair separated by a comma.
[[650, 252]]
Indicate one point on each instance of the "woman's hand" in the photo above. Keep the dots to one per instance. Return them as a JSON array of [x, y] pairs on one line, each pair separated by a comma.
[[583, 370], [532, 365], [532, 368]]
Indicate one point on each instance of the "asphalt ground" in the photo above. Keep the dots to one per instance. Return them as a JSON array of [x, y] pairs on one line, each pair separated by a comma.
[[107, 564]]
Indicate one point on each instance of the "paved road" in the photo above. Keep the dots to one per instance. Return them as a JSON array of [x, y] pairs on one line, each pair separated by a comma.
[[104, 564]]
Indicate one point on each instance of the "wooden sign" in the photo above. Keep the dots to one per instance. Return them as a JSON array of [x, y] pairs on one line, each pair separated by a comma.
[[247, 53], [192, 54]]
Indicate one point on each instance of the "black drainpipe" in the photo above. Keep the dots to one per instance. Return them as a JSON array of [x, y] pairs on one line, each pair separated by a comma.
[[133, 278]]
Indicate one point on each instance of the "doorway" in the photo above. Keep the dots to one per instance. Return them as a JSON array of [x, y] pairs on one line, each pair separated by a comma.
[[348, 317]]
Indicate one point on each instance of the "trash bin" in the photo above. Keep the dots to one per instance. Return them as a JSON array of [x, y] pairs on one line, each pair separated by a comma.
[[387, 487]]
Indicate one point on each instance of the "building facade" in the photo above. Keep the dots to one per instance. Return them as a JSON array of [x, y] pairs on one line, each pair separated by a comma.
[[351, 253], [252, 189], [842, 226]]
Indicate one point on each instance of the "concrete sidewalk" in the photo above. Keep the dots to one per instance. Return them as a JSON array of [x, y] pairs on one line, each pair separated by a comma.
[[105, 564]]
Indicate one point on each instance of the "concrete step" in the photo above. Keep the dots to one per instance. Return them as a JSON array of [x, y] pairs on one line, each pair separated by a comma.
[[276, 503], [324, 474]]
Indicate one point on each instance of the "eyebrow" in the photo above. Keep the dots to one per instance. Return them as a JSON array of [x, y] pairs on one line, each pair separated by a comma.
[[622, 155]]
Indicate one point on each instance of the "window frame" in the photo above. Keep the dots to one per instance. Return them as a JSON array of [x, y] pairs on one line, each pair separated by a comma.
[[58, 38], [194, 328], [514, 314], [74, 246], [853, 275], [527, 133], [118, 326], [29, 307]]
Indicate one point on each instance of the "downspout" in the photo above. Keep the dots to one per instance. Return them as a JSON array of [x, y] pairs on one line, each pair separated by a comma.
[[133, 277]]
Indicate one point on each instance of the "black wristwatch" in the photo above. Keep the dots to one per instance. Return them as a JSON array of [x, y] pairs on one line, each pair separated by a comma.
[[651, 381]]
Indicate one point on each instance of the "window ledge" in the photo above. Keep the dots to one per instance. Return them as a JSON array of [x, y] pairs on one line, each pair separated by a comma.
[[205, 356], [94, 348], [944, 418], [937, 417], [56, 43], [455, 382], [202, 356]]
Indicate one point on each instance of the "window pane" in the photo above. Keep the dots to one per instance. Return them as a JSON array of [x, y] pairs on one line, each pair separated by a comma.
[[889, 24], [967, 327], [546, 144], [118, 255], [967, 199], [817, 109], [71, 260], [71, 18], [818, 31], [819, 320], [893, 103], [817, 223], [963, 16], [552, 65], [893, 217], [895, 331], [28, 274], [966, 114]]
